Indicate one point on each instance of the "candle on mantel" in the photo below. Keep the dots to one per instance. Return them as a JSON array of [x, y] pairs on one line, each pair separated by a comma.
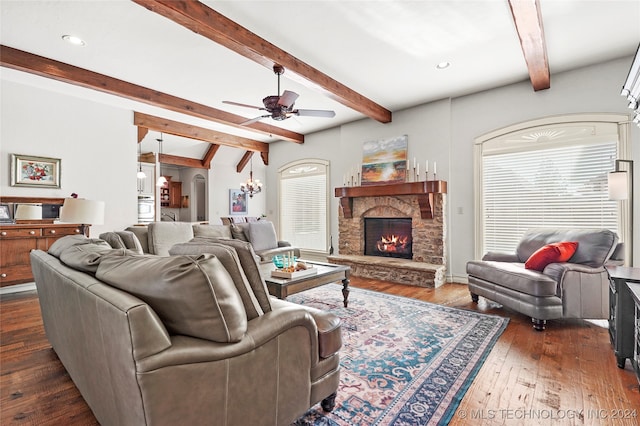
[[434, 169], [418, 173], [426, 169]]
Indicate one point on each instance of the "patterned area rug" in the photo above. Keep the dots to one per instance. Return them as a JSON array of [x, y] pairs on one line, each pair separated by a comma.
[[404, 361]]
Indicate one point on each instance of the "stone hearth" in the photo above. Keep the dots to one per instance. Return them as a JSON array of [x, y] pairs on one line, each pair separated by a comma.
[[418, 202]]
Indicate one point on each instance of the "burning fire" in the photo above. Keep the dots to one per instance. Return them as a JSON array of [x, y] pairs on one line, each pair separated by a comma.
[[392, 244]]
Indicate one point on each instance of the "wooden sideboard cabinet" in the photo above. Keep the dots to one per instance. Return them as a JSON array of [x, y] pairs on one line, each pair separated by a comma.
[[17, 241]]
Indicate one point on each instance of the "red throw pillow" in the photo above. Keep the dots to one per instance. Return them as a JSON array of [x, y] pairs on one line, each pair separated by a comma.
[[551, 253]]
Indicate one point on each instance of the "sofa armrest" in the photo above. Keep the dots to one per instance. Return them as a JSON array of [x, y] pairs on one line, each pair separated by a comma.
[[584, 289], [558, 270], [501, 257], [284, 244], [188, 350]]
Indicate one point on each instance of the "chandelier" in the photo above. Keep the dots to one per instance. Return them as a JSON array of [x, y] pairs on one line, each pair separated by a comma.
[[251, 186]]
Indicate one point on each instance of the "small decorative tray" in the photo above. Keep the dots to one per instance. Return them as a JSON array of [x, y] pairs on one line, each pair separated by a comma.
[[297, 274]]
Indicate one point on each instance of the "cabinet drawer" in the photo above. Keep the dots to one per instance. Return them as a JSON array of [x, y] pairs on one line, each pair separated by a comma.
[[61, 231], [15, 274], [20, 233]]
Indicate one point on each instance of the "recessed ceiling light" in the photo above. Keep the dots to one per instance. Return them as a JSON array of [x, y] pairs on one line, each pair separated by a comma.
[[443, 65], [73, 40]]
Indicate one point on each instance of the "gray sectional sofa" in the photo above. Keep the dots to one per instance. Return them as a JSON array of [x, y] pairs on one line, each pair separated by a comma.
[[577, 288], [159, 237], [193, 340]]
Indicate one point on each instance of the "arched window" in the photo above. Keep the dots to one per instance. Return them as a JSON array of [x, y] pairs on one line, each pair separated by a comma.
[[304, 204], [548, 173]]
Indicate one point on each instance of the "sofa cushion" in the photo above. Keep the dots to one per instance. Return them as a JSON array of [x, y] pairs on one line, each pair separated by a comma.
[[247, 257], [513, 276], [61, 244], [163, 235], [123, 240], [595, 246], [229, 258], [193, 295], [220, 231], [262, 235], [142, 234], [551, 253], [87, 257], [239, 231]]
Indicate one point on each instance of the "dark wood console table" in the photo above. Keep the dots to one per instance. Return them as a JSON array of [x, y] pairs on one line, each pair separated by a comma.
[[424, 190], [621, 311]]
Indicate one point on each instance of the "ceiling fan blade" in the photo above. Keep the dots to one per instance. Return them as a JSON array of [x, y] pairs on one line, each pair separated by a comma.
[[315, 113], [253, 120], [242, 105], [288, 98]]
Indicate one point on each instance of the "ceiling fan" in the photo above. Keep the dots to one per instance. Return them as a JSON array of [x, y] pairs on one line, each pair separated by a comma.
[[281, 107]]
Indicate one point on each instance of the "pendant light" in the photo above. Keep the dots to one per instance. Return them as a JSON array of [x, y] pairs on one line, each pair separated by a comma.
[[140, 174], [251, 186], [161, 180]]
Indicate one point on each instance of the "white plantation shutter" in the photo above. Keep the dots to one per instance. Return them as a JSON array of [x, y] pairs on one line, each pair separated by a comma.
[[555, 187], [303, 205], [549, 172]]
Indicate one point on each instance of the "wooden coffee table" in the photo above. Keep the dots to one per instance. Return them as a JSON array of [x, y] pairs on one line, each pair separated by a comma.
[[327, 273]]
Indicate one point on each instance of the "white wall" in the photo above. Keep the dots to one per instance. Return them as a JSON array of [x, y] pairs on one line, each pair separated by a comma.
[[95, 142], [444, 131]]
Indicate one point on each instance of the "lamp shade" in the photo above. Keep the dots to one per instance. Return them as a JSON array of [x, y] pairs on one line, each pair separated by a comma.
[[29, 212], [79, 210], [618, 186]]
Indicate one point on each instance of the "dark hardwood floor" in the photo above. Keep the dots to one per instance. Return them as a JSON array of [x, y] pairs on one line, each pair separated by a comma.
[[564, 375]]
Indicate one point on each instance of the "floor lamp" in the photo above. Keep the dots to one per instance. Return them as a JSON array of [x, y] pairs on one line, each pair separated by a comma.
[[621, 188]]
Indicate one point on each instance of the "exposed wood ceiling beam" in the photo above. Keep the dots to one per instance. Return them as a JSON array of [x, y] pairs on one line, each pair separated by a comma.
[[181, 161], [142, 132], [208, 156], [243, 161], [199, 133], [528, 20], [207, 22], [45, 67]]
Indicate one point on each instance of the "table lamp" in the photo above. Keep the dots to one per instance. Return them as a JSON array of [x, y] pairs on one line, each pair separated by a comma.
[[82, 211]]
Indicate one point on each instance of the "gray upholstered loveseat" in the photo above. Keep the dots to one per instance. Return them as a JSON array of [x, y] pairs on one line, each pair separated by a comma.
[[189, 340], [159, 237], [577, 288]]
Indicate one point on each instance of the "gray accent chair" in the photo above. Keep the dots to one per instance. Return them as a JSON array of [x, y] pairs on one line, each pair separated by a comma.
[[578, 288]]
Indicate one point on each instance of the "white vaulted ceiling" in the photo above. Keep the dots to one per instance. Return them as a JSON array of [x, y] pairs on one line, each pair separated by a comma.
[[387, 51]]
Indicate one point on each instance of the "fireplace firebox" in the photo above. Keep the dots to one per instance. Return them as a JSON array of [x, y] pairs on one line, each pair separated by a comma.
[[388, 237]]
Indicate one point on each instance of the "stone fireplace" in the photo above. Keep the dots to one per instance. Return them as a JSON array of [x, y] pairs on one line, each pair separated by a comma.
[[417, 208]]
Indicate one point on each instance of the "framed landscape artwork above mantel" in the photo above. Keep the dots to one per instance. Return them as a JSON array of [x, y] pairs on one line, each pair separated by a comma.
[[384, 161], [40, 172]]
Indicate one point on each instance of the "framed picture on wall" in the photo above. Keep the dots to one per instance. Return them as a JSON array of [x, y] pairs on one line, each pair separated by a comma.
[[237, 202], [384, 161], [41, 172]]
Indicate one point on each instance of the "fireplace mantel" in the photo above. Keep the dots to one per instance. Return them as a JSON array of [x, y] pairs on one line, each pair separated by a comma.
[[423, 190]]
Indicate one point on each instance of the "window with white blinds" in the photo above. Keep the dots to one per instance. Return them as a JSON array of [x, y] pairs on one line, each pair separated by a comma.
[[304, 204], [547, 187]]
